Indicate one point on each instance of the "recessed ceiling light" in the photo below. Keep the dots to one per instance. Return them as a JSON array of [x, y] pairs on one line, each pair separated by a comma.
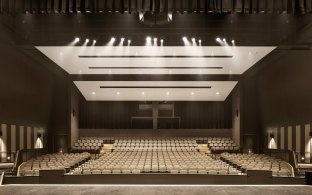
[[118, 93], [193, 39], [142, 93], [161, 40], [218, 39], [94, 41], [122, 39], [155, 39], [224, 40], [199, 40], [184, 39], [129, 41], [167, 93], [87, 40], [192, 93], [217, 93], [148, 39], [113, 39], [233, 41], [93, 93]]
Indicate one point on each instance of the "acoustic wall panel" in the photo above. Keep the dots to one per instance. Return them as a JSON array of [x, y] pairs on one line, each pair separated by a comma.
[[21, 137], [282, 140], [13, 138], [298, 140], [307, 142], [289, 143], [28, 131]]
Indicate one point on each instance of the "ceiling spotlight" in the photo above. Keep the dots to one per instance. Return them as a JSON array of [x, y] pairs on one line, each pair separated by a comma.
[[142, 93], [77, 39], [87, 40], [184, 39], [118, 93], [148, 39], [199, 40], [155, 39], [93, 93], [193, 39], [113, 39], [161, 40], [94, 41], [233, 41], [217, 93], [192, 93], [129, 41], [122, 39], [218, 39], [167, 93], [224, 40]]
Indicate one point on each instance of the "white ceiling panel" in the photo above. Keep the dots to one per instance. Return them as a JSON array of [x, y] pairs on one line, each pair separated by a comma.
[[155, 60], [155, 90]]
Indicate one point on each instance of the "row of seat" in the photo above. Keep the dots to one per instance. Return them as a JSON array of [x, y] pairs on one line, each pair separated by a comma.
[[65, 161], [128, 171], [259, 162], [163, 161]]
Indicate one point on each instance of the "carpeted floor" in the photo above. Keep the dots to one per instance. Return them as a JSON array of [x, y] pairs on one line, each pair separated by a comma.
[[153, 190]]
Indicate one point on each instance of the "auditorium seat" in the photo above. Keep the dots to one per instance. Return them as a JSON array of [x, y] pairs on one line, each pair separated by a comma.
[[259, 162], [66, 161]]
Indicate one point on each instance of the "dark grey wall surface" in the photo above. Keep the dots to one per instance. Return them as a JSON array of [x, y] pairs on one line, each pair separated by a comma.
[[33, 93], [117, 115], [278, 95]]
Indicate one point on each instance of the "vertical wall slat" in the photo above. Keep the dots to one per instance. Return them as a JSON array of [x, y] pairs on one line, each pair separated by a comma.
[[21, 137], [28, 135], [298, 140], [307, 142], [289, 143]]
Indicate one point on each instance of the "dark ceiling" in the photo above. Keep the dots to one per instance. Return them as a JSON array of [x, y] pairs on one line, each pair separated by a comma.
[[155, 6]]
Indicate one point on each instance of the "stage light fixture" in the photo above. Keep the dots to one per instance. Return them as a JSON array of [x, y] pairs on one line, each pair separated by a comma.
[[118, 93], [93, 93], [192, 93], [218, 39], [217, 93], [224, 40], [193, 39], [77, 39], [148, 39], [87, 40], [184, 39], [113, 39]]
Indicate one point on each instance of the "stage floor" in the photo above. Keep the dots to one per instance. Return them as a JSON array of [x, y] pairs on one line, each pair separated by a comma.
[[155, 189]]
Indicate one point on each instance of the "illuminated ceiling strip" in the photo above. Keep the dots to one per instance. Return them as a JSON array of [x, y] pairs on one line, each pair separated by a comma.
[[164, 56], [137, 67], [156, 87]]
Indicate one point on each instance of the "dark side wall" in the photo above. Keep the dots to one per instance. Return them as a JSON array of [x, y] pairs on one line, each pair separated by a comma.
[[278, 95], [117, 115], [31, 94]]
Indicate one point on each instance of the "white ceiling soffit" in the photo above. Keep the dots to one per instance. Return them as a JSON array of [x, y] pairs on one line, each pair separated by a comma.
[[155, 59], [155, 90]]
